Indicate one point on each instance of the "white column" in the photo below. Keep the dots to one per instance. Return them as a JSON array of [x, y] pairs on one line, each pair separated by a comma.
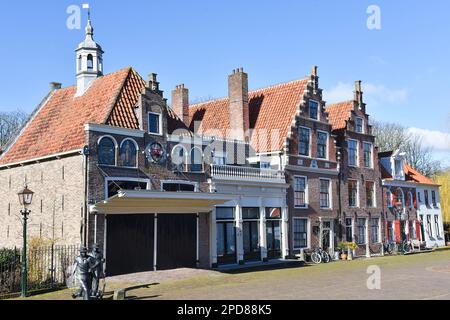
[[213, 238], [155, 245], [354, 229], [285, 232], [367, 238], [332, 232], [262, 233], [239, 236], [320, 233]]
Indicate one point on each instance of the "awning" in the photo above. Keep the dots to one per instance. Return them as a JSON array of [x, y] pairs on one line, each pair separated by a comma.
[[151, 202]]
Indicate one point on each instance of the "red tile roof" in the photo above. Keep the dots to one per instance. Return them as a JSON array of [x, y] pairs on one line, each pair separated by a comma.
[[271, 109], [415, 176], [339, 114], [58, 126]]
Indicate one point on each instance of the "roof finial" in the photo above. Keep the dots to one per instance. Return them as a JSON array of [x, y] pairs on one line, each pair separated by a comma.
[[89, 28]]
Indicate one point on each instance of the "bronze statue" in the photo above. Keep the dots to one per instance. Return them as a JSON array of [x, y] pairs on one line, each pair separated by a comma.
[[97, 271], [83, 267]]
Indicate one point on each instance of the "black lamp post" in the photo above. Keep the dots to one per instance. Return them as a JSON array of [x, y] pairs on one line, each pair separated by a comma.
[[25, 199]]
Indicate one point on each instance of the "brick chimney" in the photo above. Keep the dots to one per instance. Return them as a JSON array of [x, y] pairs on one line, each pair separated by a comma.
[[55, 86], [180, 103], [358, 92], [238, 108]]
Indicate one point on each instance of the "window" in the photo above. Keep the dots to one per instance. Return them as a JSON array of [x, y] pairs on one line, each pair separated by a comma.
[[419, 196], [427, 200], [390, 234], [410, 200], [219, 158], [273, 213], [226, 235], [250, 213], [375, 230], [361, 236], [430, 229], [349, 229], [154, 123], [304, 141], [360, 125], [398, 167], [178, 187], [352, 193], [224, 213], [322, 144], [389, 199], [300, 233], [265, 165], [325, 193], [300, 192], [399, 198], [107, 152], [179, 158], [128, 153], [367, 155], [433, 198], [196, 160], [314, 110], [436, 226], [370, 194], [114, 186], [412, 234], [90, 62], [353, 153]]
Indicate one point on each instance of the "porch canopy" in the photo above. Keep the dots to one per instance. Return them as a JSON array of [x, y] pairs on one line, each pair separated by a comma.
[[151, 202]]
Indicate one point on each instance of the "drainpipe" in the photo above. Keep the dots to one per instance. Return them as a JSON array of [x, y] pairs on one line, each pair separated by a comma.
[[85, 208]]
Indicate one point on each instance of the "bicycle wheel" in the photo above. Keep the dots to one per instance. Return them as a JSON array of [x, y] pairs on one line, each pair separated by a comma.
[[326, 257], [407, 248], [316, 258]]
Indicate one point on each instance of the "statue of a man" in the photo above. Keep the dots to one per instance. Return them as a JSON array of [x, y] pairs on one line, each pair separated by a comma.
[[97, 256], [83, 267]]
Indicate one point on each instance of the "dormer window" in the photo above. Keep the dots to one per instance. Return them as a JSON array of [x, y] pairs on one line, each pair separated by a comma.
[[314, 110], [359, 125], [398, 167]]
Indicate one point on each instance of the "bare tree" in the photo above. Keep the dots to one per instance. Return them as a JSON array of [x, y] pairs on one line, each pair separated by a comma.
[[392, 136], [10, 125]]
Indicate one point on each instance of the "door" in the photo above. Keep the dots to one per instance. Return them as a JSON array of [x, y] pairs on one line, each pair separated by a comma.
[[226, 242], [273, 231], [326, 236], [130, 244], [251, 241], [177, 241]]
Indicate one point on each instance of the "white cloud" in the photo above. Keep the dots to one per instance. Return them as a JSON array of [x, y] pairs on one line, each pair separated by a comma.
[[440, 141], [375, 94]]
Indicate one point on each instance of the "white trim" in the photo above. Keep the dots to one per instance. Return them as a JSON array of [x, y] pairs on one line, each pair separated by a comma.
[[374, 197], [357, 153], [306, 192], [116, 148], [333, 172], [308, 233], [129, 139], [371, 153], [37, 160], [126, 179], [310, 142], [357, 194], [159, 123], [191, 161], [114, 130], [363, 125], [319, 109], [137, 153]]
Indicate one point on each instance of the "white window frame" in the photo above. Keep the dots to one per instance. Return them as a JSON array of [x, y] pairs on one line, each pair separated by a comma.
[[160, 124], [308, 233], [186, 157], [357, 153], [363, 125], [306, 192], [126, 179], [352, 227], [310, 142], [327, 147], [318, 109], [374, 199], [371, 154], [330, 194], [137, 151], [357, 194], [202, 160], [191, 183], [378, 230]]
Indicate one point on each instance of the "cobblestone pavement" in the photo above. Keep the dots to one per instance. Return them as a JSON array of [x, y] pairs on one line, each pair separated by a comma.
[[422, 276]]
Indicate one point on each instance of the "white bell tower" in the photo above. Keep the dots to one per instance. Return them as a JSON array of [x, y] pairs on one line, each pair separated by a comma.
[[89, 60]]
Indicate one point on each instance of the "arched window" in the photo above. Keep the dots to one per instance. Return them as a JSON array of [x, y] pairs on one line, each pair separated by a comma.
[[196, 160], [400, 197], [128, 153], [179, 158], [107, 151], [90, 62], [410, 200]]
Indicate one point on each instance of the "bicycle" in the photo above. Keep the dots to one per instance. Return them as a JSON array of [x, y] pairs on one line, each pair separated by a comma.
[[390, 248], [324, 255], [407, 246]]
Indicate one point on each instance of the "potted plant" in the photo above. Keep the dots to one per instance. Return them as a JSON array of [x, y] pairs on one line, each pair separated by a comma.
[[341, 247], [351, 246]]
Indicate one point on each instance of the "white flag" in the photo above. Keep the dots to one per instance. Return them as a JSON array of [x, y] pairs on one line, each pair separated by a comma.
[[85, 5]]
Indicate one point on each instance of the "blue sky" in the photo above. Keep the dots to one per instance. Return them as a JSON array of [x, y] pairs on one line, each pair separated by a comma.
[[404, 66]]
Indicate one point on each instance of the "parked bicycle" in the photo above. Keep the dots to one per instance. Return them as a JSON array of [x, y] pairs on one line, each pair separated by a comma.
[[407, 246], [317, 256], [390, 248]]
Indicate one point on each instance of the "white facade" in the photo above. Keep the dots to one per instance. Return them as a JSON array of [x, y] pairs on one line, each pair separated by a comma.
[[430, 215]]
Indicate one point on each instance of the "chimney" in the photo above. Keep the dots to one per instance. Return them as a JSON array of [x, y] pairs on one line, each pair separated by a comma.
[[55, 86], [153, 84], [358, 93], [238, 108], [180, 103], [315, 77]]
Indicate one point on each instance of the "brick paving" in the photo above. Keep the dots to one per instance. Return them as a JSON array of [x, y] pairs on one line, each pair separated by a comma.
[[415, 277]]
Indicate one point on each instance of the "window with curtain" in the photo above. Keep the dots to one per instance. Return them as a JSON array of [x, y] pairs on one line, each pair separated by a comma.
[[367, 155], [370, 194], [352, 193]]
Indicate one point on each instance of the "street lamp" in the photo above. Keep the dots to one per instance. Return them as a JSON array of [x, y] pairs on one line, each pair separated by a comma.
[[25, 199]]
